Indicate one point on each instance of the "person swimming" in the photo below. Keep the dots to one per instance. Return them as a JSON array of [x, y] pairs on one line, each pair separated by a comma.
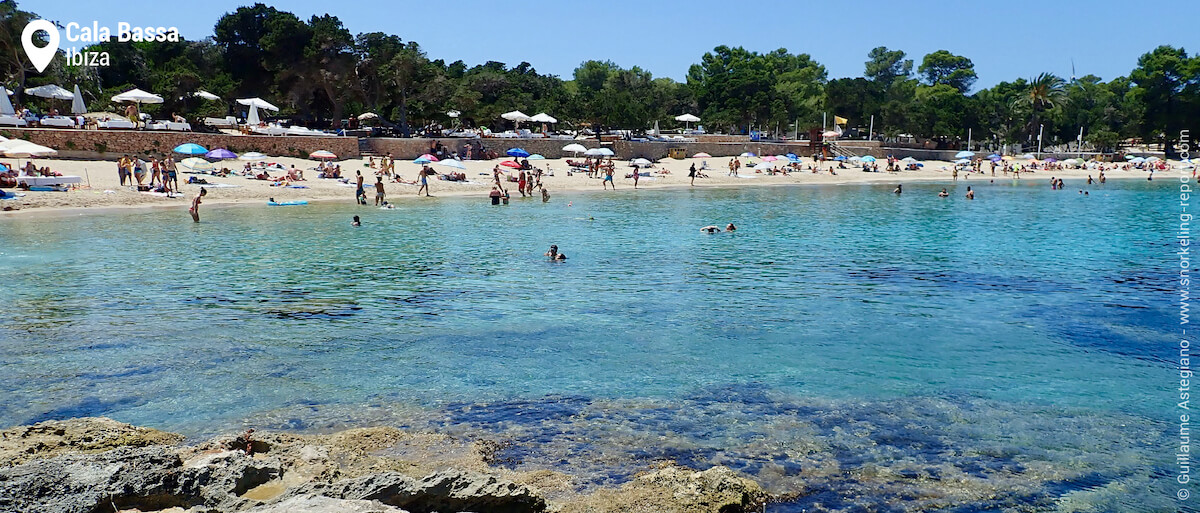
[[730, 227], [356, 222], [943, 194], [712, 228], [554, 254], [970, 194], [898, 189]]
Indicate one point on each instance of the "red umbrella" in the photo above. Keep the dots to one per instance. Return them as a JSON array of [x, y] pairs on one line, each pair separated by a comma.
[[509, 163]]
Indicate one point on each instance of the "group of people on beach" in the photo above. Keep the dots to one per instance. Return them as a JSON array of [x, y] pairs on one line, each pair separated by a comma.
[[164, 174]]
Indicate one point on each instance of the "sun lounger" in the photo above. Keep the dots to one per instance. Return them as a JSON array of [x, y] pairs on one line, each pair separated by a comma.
[[13, 121], [170, 125], [33, 181], [226, 122], [116, 124], [60, 121]]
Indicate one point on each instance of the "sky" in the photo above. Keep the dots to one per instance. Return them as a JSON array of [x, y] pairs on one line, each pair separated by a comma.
[[1005, 40]]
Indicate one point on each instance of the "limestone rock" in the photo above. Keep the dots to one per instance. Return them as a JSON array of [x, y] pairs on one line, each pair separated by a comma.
[[88, 435], [452, 490], [142, 477], [675, 489], [322, 504]]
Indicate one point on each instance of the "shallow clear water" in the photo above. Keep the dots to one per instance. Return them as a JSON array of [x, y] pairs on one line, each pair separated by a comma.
[[844, 342]]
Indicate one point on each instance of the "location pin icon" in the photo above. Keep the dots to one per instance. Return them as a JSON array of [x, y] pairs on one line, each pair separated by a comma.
[[40, 57]]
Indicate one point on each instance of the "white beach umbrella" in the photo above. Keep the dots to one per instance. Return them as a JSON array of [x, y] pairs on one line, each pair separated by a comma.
[[137, 96], [454, 113], [77, 105], [367, 115], [542, 117], [206, 95], [515, 115], [687, 118], [642, 163], [763, 165], [252, 118], [258, 102], [51, 91], [452, 163], [252, 155], [6, 107], [599, 152], [575, 148], [23, 148]]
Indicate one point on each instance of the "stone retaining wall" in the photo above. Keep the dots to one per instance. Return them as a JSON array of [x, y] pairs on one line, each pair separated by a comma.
[[111, 144]]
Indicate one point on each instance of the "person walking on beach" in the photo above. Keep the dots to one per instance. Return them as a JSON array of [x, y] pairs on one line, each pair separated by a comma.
[[692, 174], [425, 172], [731, 169], [608, 178], [360, 194], [195, 209], [378, 190]]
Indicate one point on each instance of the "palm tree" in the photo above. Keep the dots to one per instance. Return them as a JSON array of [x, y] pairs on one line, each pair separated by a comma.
[[1043, 93]]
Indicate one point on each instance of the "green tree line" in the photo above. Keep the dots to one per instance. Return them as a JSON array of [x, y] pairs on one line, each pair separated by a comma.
[[317, 69]]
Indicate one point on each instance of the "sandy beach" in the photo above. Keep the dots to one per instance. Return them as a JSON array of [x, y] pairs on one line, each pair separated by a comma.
[[101, 189]]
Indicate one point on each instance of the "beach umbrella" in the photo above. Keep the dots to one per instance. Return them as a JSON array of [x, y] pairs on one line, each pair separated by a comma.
[[964, 154], [253, 155], [962, 161], [258, 102], [322, 154], [748, 154], [599, 152], [687, 118], [515, 116], [22, 148], [702, 155], [642, 163], [517, 152], [839, 158], [190, 149], [429, 157], [50, 91], [781, 157], [868, 158], [542, 117], [206, 95], [77, 105], [421, 160], [772, 158], [1137, 160], [575, 148], [367, 115], [993, 156], [792, 156], [453, 163], [1153, 159], [537, 156], [137, 96], [908, 159], [454, 113], [196, 164], [6, 107], [763, 165], [509, 163], [220, 154]]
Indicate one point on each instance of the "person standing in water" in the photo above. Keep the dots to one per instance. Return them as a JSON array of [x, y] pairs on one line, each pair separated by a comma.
[[195, 209], [943, 194], [692, 174], [899, 188], [356, 222], [378, 190], [970, 193], [424, 181], [554, 254]]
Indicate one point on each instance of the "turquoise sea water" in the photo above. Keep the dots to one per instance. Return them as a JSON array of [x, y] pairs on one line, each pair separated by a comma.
[[848, 346]]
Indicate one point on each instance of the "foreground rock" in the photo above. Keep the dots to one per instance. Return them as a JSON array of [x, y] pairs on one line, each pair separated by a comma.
[[93, 465], [76, 436]]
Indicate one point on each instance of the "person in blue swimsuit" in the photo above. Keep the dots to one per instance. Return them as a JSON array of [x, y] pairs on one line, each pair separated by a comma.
[[608, 179]]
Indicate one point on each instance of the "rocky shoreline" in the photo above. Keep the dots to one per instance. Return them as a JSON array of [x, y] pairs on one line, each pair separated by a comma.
[[97, 464]]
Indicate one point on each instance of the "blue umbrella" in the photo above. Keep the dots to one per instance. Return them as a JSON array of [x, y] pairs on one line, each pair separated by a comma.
[[868, 158], [536, 156], [993, 156], [422, 160], [792, 156], [517, 152], [964, 154], [220, 154], [191, 149], [839, 157]]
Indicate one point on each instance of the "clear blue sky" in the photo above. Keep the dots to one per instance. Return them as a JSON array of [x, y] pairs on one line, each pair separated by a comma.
[[1005, 39]]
